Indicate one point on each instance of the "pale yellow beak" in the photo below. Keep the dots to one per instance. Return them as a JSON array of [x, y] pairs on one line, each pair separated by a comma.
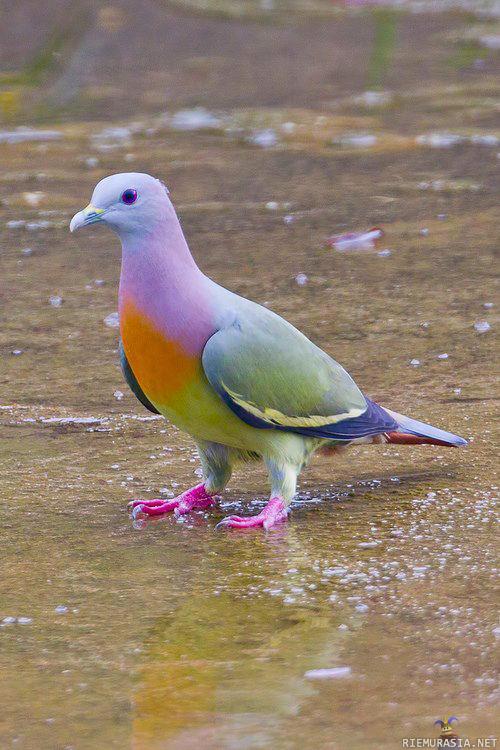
[[89, 215]]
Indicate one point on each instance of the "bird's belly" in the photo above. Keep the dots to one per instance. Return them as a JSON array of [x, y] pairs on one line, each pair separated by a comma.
[[174, 381], [199, 411]]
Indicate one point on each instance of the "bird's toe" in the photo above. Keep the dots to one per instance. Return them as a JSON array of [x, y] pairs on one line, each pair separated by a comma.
[[153, 507], [148, 503], [230, 521], [275, 512]]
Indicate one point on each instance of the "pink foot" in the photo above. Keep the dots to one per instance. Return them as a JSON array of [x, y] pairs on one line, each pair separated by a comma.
[[274, 512], [196, 497]]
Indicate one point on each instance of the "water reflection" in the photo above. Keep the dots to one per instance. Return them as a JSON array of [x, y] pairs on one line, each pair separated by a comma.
[[225, 670]]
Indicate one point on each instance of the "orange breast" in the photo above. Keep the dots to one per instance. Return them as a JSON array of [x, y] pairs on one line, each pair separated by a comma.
[[161, 366]]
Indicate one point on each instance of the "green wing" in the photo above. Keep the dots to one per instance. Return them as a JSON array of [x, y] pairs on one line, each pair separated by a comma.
[[271, 375]]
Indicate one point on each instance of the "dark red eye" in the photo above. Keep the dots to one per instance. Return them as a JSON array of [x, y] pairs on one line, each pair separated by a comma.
[[129, 196]]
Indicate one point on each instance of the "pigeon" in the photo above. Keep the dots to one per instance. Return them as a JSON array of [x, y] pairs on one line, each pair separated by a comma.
[[244, 383]]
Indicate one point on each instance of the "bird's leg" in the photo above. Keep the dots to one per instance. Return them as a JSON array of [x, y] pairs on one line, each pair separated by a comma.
[[216, 471], [283, 478]]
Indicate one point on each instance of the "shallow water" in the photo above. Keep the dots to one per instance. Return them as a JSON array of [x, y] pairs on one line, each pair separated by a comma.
[[175, 636]]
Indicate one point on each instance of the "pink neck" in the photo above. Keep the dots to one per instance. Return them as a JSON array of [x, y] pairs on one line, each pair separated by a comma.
[[160, 277]]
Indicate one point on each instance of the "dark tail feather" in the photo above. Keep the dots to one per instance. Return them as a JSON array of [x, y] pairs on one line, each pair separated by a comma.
[[412, 432], [405, 438]]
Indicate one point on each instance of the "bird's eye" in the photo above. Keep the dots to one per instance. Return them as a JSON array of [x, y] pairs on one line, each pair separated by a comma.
[[129, 196]]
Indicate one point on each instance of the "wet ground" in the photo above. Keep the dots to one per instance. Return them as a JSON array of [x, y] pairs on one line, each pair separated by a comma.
[[175, 636]]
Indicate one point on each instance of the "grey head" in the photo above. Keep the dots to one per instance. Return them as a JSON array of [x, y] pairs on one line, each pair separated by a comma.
[[128, 202]]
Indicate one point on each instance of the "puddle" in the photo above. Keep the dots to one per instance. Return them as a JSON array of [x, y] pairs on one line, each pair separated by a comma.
[[372, 612]]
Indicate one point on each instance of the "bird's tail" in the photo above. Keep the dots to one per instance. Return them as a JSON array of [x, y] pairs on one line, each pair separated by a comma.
[[412, 432]]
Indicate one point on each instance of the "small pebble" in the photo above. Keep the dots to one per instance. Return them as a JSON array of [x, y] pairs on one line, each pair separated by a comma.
[[112, 320], [443, 356], [197, 118], [32, 226], [17, 352], [118, 395], [33, 199], [424, 232], [301, 279], [264, 138], [384, 253], [357, 140], [368, 545], [61, 609], [415, 362], [482, 326], [328, 674], [334, 571], [55, 300]]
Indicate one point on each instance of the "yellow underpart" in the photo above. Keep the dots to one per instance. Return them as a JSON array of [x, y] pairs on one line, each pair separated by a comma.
[[276, 417]]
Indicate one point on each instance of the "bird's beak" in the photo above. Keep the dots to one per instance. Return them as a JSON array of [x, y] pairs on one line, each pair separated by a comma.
[[89, 215]]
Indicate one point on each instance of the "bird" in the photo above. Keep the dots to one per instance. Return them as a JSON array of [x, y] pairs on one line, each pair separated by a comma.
[[243, 382], [447, 731]]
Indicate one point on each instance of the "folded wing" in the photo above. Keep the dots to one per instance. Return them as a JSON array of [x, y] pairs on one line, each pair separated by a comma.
[[273, 377]]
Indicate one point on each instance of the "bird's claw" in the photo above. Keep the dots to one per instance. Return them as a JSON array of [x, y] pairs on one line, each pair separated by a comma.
[[149, 503], [275, 512], [152, 507], [136, 511], [195, 498]]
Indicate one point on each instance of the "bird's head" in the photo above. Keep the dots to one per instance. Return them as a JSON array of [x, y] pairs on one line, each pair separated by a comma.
[[446, 726], [128, 202]]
